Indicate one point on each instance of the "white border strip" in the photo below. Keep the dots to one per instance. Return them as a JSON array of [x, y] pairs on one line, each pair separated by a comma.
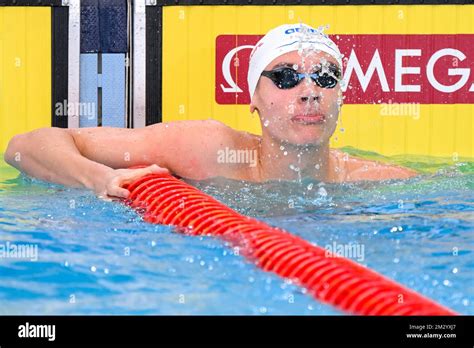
[[74, 51]]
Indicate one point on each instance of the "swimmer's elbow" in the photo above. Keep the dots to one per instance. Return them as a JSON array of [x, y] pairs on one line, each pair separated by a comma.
[[378, 173], [400, 173], [13, 148], [410, 173]]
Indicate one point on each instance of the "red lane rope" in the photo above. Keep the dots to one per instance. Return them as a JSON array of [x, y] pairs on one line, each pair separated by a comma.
[[345, 284]]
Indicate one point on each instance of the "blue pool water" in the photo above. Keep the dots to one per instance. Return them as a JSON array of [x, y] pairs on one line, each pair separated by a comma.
[[97, 257]]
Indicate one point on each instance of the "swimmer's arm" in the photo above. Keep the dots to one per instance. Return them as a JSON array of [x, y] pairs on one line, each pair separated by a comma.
[[51, 154], [82, 157], [358, 169], [186, 148]]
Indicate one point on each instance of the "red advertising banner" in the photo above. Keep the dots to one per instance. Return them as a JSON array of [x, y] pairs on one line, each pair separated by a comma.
[[426, 69]]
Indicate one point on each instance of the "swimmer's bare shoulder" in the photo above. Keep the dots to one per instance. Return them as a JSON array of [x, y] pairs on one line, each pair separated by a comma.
[[212, 160], [192, 147], [351, 168]]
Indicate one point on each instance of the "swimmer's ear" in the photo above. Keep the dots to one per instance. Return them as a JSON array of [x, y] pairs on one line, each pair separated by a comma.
[[252, 108]]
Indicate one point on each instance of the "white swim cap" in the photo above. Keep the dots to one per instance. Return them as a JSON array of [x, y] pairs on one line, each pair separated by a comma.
[[283, 39]]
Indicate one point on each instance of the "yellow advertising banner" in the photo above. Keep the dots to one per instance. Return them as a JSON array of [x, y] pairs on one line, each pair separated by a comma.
[[25, 70], [409, 71]]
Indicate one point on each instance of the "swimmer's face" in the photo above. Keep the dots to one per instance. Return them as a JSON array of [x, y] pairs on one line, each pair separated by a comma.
[[305, 114]]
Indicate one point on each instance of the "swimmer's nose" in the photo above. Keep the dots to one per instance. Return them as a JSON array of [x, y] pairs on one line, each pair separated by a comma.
[[309, 92], [309, 98]]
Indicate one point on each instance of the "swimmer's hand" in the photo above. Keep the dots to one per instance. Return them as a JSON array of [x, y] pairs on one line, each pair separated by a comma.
[[112, 185]]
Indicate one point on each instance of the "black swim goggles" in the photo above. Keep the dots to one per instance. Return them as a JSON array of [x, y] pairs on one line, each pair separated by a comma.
[[286, 77]]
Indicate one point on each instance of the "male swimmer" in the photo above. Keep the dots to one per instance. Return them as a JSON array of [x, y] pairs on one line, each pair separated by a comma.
[[294, 82]]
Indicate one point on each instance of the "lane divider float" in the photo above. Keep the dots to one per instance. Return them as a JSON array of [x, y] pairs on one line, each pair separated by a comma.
[[343, 283]]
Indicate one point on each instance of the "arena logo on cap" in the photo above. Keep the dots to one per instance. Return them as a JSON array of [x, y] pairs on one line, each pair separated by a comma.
[[427, 69], [298, 29]]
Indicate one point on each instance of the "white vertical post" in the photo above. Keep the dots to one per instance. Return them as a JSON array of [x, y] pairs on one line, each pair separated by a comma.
[[139, 63], [74, 51]]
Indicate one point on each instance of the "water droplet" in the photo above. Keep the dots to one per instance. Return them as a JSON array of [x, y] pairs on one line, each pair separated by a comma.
[[282, 147], [310, 187], [455, 270], [285, 153], [396, 260], [93, 269], [266, 123], [106, 270], [447, 283], [322, 192], [294, 168]]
